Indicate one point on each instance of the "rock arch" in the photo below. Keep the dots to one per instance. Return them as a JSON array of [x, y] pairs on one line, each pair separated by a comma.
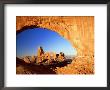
[[79, 30]]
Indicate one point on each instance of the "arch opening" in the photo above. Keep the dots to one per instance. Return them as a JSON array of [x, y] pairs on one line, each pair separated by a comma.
[[29, 40], [39, 46]]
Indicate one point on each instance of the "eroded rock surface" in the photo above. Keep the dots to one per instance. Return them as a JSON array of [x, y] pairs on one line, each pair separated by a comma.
[[78, 30]]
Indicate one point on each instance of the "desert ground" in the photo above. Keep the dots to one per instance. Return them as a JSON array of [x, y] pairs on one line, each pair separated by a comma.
[[75, 66]]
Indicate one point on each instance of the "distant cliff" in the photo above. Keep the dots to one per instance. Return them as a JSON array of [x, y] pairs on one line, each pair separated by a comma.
[[42, 57]]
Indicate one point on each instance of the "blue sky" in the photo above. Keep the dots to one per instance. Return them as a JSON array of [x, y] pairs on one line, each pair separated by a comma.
[[28, 41]]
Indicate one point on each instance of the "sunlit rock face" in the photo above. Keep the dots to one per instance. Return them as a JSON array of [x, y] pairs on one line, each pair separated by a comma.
[[78, 30]]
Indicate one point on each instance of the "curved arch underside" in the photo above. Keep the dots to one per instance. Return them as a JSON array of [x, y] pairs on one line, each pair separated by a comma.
[[79, 30]]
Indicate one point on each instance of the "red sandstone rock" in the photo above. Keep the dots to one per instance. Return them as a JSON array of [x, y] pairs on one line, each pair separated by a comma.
[[78, 30]]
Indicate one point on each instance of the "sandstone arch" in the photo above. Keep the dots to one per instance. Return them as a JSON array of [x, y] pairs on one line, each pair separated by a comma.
[[79, 30]]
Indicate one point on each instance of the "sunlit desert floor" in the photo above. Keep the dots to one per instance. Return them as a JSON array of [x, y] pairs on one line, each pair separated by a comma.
[[78, 65]]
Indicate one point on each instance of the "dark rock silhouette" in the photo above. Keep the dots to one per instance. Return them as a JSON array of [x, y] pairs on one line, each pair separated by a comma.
[[29, 59], [31, 68]]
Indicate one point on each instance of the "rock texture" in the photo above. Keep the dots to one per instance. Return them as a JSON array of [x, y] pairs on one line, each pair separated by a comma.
[[78, 30], [48, 56]]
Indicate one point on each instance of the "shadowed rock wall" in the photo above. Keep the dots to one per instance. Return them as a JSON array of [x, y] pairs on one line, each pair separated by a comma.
[[78, 30]]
